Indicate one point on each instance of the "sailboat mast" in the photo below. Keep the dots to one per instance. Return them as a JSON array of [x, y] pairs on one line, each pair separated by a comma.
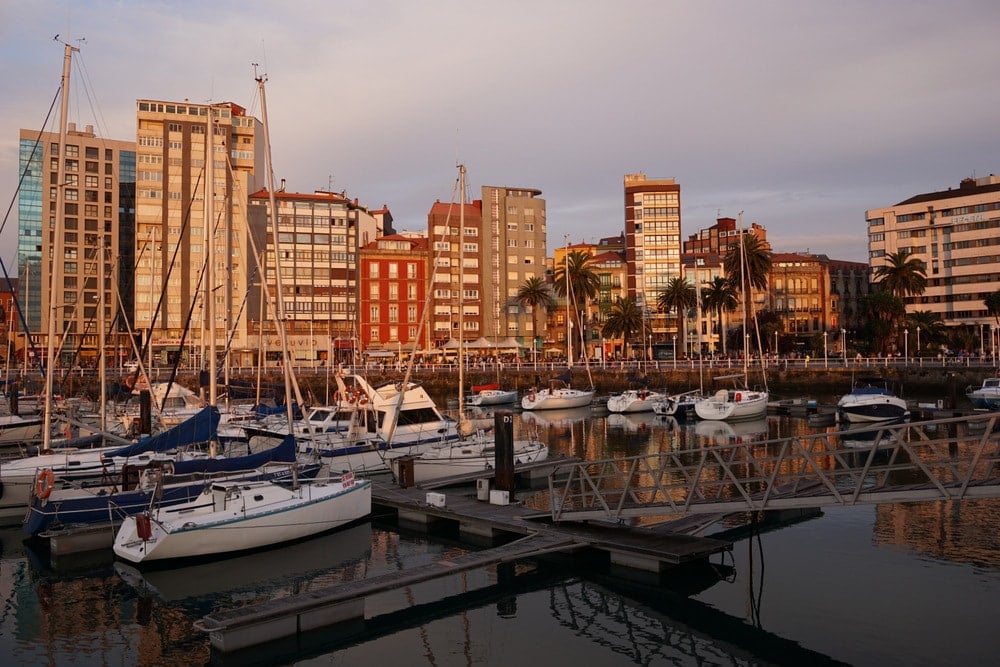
[[569, 319], [210, 254], [461, 292], [101, 340], [55, 303], [279, 296]]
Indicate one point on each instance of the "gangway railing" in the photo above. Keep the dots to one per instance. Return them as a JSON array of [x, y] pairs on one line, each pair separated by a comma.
[[943, 459]]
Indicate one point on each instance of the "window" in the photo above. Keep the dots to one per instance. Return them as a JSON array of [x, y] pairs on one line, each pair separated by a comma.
[[393, 313], [373, 292], [373, 314], [393, 270], [411, 270], [373, 270]]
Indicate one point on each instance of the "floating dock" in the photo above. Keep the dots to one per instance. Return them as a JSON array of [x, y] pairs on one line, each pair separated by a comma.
[[489, 513]]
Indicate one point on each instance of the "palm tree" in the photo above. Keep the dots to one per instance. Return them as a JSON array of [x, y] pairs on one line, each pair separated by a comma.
[[624, 320], [902, 275], [747, 265], [678, 295], [583, 284], [929, 325], [883, 312], [719, 296], [992, 303], [536, 294]]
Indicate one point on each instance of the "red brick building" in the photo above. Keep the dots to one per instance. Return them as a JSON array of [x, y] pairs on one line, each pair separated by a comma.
[[394, 271]]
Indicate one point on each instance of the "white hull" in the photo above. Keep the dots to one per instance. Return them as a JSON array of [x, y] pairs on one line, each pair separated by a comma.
[[492, 397], [733, 405], [459, 459], [15, 429], [634, 401], [231, 518], [558, 399]]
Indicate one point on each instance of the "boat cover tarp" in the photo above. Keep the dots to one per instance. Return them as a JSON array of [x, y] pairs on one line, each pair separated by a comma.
[[199, 428], [476, 388], [285, 452]]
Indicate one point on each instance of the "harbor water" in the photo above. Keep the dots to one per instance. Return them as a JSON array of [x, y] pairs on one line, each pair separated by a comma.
[[897, 584]]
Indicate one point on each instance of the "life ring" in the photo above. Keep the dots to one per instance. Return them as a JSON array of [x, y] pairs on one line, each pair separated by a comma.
[[531, 397], [44, 482], [739, 397], [362, 400]]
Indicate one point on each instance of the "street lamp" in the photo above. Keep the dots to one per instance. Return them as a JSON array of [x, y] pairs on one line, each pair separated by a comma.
[[906, 346], [675, 351], [843, 341], [918, 346], [825, 360]]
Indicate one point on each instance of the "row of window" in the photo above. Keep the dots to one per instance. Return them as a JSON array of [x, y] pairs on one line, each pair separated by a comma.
[[392, 270]]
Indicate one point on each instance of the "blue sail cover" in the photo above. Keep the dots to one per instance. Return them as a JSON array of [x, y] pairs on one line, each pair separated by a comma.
[[199, 428], [285, 453]]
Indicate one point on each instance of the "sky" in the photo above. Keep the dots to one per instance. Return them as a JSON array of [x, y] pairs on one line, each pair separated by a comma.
[[801, 114]]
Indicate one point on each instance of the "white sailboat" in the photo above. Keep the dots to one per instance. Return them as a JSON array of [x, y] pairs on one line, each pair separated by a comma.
[[235, 516], [559, 395], [634, 400], [738, 403]]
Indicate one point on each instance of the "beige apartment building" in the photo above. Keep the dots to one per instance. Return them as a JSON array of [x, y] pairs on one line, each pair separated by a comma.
[[478, 265], [956, 234], [173, 142]]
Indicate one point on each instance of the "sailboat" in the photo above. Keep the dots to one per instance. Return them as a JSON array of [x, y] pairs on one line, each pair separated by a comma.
[[559, 395], [740, 402], [490, 394]]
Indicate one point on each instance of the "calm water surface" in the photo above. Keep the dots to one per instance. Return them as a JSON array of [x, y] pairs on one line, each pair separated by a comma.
[[913, 584]]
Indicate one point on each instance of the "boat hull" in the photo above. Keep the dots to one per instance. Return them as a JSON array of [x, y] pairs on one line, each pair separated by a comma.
[[874, 409], [461, 460], [318, 508], [735, 406], [559, 399], [634, 401]]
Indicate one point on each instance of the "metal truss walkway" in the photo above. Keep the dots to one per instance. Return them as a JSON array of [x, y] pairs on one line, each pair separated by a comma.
[[945, 459]]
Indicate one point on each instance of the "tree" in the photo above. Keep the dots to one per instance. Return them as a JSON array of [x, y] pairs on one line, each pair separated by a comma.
[[747, 265], [931, 328], [536, 294], [583, 284], [679, 295], [902, 275], [992, 303], [719, 297], [883, 312], [624, 319]]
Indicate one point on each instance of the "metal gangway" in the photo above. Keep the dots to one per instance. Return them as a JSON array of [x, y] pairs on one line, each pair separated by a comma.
[[942, 459]]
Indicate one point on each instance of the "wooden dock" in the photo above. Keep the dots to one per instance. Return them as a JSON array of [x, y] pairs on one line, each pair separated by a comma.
[[638, 549]]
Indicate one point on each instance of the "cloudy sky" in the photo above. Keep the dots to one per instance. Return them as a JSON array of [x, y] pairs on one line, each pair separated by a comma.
[[801, 114]]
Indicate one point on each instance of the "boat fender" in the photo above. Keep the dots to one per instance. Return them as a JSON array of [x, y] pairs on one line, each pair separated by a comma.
[[531, 397], [739, 397], [362, 400], [336, 397], [143, 526], [44, 482]]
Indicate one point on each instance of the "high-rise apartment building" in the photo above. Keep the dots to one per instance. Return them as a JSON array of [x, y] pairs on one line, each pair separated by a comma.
[[652, 240], [513, 251], [479, 269], [954, 232], [98, 209], [319, 238], [173, 140]]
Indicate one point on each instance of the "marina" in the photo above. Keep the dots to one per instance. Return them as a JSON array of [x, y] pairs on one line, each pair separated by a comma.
[[433, 537]]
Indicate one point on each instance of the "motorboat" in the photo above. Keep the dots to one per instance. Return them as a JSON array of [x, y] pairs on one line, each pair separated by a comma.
[[986, 397], [229, 517], [462, 458], [733, 405], [872, 399], [634, 400]]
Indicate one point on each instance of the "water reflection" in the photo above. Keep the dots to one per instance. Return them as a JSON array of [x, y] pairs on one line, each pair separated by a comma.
[[819, 574]]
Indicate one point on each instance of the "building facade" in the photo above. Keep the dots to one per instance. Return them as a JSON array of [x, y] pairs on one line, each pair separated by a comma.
[[956, 234], [394, 295], [458, 308], [319, 239], [512, 251], [98, 212], [652, 240], [173, 143]]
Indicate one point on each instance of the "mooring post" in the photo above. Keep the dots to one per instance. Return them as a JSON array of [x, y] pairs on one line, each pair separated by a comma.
[[13, 401], [503, 427], [145, 412]]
